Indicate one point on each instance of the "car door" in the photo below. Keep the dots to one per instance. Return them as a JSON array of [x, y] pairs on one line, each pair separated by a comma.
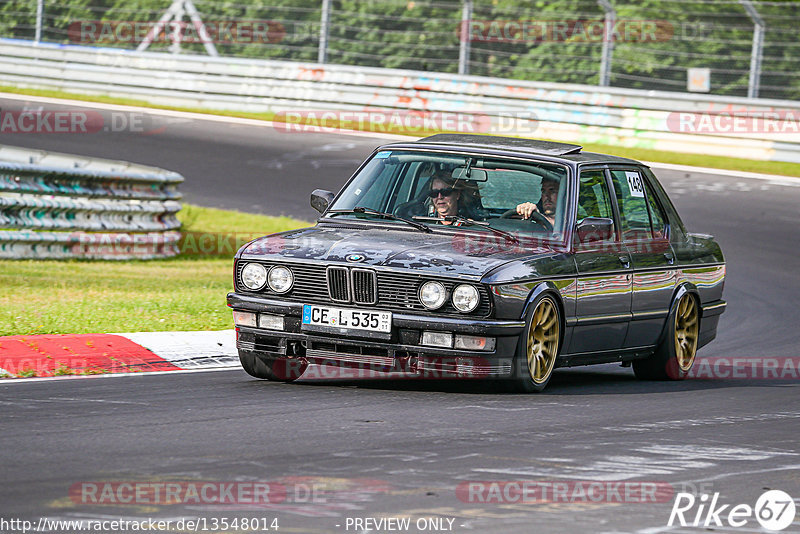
[[603, 304], [645, 233]]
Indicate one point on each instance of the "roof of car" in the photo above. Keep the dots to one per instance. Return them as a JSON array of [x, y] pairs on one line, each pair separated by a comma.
[[520, 145]]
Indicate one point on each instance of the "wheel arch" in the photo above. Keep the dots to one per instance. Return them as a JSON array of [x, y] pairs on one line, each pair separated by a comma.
[[682, 289], [549, 289]]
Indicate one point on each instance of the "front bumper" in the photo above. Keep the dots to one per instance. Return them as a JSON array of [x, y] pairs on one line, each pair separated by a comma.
[[398, 351]]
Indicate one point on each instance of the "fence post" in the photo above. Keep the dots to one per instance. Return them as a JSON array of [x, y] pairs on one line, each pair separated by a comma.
[[464, 35], [208, 44], [175, 12], [325, 22], [39, 16], [608, 41], [758, 48]]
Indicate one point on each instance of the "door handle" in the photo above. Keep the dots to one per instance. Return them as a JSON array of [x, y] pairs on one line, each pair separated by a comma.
[[625, 261], [670, 258]]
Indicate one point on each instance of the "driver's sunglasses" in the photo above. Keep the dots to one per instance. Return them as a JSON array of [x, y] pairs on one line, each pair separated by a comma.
[[445, 192]]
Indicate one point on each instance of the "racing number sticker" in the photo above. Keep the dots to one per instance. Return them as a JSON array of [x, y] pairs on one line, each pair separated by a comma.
[[635, 184]]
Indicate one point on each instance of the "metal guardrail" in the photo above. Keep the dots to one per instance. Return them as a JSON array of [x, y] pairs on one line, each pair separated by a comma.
[[731, 47], [61, 206], [567, 112]]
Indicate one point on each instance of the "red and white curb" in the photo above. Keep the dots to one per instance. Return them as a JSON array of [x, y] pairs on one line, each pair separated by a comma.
[[72, 355]]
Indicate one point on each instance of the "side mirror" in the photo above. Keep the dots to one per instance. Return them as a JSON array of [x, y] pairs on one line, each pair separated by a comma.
[[321, 199], [593, 229]]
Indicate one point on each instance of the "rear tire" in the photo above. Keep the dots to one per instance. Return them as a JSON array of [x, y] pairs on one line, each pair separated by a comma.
[[278, 370], [537, 350], [675, 355]]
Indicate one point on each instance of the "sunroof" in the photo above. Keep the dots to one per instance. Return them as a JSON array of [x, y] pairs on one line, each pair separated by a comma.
[[514, 143]]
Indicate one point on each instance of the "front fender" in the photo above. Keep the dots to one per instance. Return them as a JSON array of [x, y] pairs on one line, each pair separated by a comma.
[[549, 288], [542, 287], [680, 291]]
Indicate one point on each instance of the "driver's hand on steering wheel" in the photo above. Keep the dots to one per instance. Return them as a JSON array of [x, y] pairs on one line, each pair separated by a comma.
[[526, 209]]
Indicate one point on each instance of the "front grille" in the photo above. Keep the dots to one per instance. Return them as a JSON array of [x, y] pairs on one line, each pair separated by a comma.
[[368, 359], [392, 291], [345, 352], [338, 284], [364, 286]]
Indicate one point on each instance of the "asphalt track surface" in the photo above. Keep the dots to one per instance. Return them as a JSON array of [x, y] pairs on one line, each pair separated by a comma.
[[394, 449]]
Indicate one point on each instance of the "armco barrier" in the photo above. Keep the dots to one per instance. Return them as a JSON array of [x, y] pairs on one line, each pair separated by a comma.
[[60, 206], [574, 113]]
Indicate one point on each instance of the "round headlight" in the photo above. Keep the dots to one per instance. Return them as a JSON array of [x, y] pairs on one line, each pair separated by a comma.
[[254, 276], [280, 279], [465, 298], [432, 295]]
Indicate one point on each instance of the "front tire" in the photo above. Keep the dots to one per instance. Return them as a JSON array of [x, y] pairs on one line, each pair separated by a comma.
[[278, 370], [538, 348], [675, 355]]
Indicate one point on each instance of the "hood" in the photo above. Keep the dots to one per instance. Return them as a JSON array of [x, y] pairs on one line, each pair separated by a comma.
[[460, 253]]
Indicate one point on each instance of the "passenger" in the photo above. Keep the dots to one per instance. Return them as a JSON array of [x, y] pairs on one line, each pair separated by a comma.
[[547, 203], [449, 197]]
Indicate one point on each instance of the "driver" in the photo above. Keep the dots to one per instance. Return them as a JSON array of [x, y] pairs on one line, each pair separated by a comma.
[[445, 197], [546, 205]]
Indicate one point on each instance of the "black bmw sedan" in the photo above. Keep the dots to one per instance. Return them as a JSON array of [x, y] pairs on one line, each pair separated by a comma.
[[473, 256]]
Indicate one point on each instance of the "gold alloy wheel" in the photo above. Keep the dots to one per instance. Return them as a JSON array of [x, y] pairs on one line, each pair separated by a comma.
[[686, 327], [543, 336]]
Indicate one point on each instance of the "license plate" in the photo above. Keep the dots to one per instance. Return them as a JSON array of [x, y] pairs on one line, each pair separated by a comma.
[[372, 321]]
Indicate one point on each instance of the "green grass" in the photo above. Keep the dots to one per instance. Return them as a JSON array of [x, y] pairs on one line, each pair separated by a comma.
[[644, 154], [183, 293], [199, 219]]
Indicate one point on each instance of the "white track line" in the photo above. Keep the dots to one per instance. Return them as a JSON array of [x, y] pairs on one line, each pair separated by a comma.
[[184, 114], [776, 178]]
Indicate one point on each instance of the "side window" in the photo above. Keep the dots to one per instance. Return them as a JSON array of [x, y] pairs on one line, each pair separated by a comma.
[[656, 215], [503, 188], [593, 197], [423, 175], [676, 227], [633, 212]]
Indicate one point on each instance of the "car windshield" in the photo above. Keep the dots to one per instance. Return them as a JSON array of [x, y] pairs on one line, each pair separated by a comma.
[[448, 190]]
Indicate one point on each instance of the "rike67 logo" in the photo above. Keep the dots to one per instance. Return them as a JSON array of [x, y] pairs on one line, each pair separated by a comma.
[[774, 510]]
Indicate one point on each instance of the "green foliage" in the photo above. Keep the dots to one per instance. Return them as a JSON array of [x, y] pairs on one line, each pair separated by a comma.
[[27, 372], [426, 35], [63, 370]]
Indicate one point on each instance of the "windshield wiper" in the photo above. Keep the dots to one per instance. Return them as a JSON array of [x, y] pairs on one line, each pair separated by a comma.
[[392, 216], [470, 222]]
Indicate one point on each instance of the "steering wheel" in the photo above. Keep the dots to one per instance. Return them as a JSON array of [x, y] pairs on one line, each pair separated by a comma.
[[536, 217]]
